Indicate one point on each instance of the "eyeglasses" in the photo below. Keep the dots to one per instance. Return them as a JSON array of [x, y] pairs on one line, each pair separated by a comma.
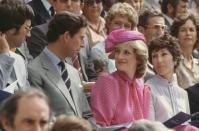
[[91, 2], [28, 28], [157, 26]]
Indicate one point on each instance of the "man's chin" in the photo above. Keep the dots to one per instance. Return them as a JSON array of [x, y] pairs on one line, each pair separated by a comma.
[[76, 52]]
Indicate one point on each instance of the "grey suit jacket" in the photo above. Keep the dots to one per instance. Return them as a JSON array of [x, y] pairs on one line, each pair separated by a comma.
[[38, 41], [44, 75]]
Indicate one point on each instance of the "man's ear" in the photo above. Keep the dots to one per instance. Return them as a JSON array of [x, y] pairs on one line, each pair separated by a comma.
[[11, 31], [6, 125], [66, 36]]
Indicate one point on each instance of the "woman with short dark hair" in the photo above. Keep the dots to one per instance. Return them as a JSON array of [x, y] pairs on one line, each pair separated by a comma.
[[184, 28]]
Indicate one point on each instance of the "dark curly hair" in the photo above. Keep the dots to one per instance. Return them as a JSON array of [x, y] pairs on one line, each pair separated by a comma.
[[168, 42]]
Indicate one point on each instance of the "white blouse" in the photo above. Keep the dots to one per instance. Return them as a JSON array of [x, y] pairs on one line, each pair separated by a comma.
[[168, 98]]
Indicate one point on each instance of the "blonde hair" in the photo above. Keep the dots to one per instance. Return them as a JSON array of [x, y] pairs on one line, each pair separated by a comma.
[[123, 9], [141, 52], [71, 123]]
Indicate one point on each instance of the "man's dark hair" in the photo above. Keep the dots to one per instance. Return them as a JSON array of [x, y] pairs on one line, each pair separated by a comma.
[[166, 42], [14, 14], [63, 22], [165, 3], [9, 107], [146, 14]]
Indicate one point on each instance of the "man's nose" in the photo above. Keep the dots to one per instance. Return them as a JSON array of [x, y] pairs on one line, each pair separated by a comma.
[[82, 45], [28, 34]]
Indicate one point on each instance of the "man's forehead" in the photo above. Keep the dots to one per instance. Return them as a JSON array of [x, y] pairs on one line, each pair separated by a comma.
[[34, 104], [29, 101], [156, 19]]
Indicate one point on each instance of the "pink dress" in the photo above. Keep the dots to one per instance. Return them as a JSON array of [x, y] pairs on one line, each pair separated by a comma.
[[116, 99]]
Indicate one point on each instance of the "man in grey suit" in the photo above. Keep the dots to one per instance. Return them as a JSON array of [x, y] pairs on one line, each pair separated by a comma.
[[37, 42], [15, 26], [65, 38]]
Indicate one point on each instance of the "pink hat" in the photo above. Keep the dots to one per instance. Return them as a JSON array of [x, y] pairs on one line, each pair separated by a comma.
[[120, 36]]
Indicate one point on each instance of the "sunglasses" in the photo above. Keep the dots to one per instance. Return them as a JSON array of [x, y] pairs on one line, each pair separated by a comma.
[[91, 2]]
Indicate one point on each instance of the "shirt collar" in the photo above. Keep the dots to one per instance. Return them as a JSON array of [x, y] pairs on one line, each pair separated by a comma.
[[55, 60], [46, 4], [166, 82], [168, 19]]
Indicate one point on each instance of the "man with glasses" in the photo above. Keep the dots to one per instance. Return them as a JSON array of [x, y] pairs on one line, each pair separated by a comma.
[[151, 24], [15, 26]]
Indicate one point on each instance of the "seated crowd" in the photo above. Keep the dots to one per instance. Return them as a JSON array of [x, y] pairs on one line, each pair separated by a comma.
[[83, 65]]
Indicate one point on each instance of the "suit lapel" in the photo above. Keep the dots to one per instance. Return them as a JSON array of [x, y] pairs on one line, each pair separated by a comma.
[[55, 78], [43, 12], [75, 86]]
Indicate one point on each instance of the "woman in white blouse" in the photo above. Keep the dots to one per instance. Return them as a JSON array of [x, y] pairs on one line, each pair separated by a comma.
[[185, 29], [168, 98]]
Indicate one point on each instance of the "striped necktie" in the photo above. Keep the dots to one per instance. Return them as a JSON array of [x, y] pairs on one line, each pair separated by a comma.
[[64, 74], [52, 12], [75, 61]]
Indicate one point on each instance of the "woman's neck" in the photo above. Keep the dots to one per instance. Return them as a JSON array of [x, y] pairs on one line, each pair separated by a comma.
[[187, 53], [169, 77], [94, 21], [131, 74]]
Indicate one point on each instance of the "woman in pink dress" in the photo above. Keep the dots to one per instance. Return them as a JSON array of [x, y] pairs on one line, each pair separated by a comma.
[[120, 97]]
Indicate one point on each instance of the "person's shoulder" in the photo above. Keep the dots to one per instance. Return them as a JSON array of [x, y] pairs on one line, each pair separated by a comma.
[[6, 57], [196, 61], [152, 80], [35, 62], [110, 78], [34, 2], [17, 57]]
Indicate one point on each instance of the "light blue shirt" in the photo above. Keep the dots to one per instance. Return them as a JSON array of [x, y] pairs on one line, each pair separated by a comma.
[[53, 58]]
